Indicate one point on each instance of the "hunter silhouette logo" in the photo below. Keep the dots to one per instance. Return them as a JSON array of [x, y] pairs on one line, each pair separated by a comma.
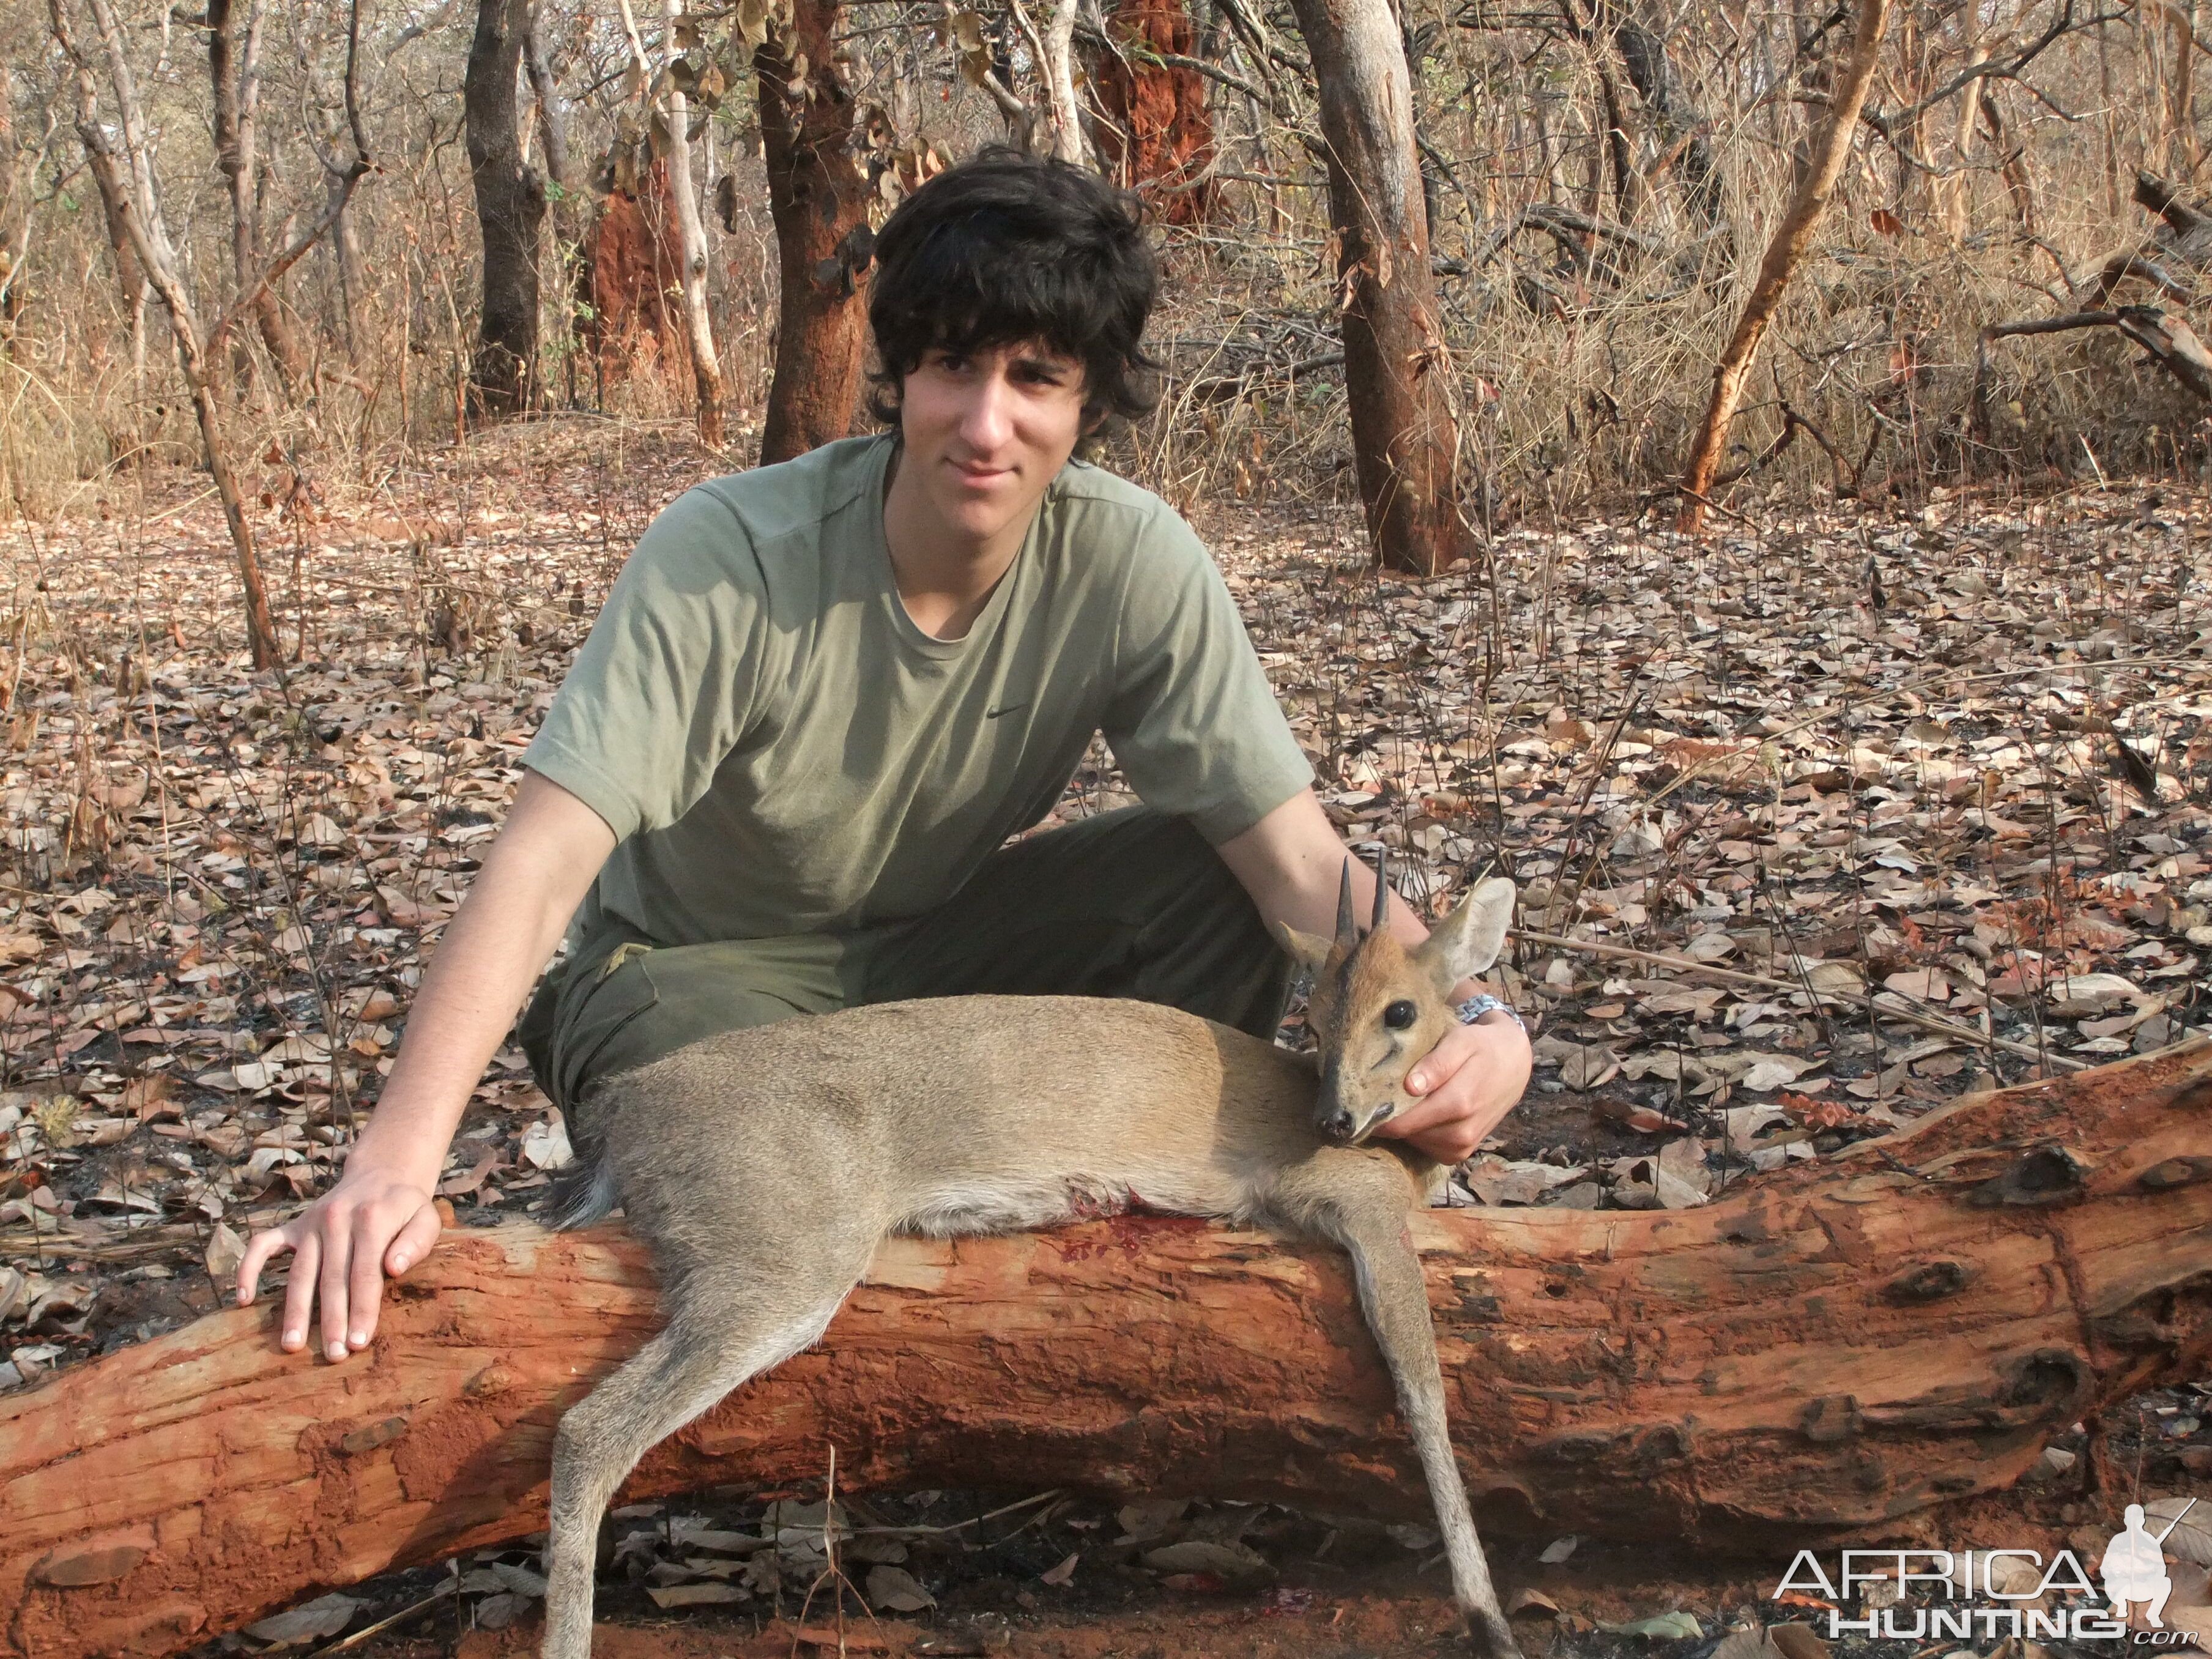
[[1969, 1594], [2133, 1568]]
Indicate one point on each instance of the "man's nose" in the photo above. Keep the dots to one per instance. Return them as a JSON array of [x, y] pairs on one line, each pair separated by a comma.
[[986, 421]]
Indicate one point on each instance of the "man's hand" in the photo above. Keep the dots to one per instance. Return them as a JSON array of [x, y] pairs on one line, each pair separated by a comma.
[[1467, 1084], [381, 1217], [374, 1222]]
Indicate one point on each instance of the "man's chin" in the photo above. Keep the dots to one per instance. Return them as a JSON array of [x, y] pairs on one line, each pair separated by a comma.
[[978, 520]]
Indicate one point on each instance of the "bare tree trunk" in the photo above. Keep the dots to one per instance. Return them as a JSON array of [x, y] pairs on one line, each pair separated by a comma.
[[1627, 182], [1056, 67], [1955, 194], [1679, 122], [2012, 165], [353, 288], [137, 208], [552, 115], [1953, 1296], [1405, 439], [130, 276], [1817, 182], [824, 249], [698, 326], [510, 208], [2182, 117], [15, 169], [566, 210], [235, 69], [345, 249]]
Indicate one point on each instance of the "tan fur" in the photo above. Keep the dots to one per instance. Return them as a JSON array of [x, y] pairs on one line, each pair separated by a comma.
[[764, 1166]]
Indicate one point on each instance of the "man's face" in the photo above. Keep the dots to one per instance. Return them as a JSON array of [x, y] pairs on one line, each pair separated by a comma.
[[987, 432]]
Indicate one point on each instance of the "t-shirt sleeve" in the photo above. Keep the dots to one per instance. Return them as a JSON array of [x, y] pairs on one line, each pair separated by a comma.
[[664, 687], [1193, 721]]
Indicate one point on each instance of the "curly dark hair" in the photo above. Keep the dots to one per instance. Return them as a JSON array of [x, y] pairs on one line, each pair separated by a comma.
[[1006, 248]]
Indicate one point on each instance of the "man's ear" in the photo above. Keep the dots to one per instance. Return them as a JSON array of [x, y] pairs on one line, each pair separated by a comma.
[[1307, 948], [1468, 940]]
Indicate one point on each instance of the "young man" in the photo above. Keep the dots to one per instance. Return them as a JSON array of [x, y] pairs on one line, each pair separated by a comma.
[[781, 775]]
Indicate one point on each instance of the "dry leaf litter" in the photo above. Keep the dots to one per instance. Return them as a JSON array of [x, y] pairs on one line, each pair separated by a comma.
[[1818, 823]]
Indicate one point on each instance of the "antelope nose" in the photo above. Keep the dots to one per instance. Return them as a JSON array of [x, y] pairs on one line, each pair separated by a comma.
[[1337, 1126]]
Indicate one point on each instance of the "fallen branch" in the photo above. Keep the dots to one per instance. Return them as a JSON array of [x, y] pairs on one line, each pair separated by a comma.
[[1818, 1351], [2184, 219], [1926, 1022], [1847, 476], [1220, 388], [2121, 266], [1571, 229], [2172, 343]]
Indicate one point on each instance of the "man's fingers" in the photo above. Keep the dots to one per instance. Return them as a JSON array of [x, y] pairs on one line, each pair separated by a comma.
[[1442, 1062], [330, 1285], [300, 1294], [364, 1279], [259, 1251], [414, 1240], [1423, 1114]]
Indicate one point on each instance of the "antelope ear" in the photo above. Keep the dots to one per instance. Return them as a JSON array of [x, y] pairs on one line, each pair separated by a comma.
[[1468, 940], [1307, 948]]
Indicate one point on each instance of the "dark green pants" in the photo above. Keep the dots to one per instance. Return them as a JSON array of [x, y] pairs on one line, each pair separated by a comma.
[[1131, 903]]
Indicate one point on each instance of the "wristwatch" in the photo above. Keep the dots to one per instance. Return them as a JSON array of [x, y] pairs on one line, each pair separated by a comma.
[[1476, 1007]]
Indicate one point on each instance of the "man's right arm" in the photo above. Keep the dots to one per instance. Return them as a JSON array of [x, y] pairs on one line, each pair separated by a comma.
[[382, 1216]]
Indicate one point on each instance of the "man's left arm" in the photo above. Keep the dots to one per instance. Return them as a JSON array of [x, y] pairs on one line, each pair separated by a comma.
[[1291, 862]]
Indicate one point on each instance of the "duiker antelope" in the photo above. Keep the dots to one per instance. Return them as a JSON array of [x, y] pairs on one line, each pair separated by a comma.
[[764, 1166]]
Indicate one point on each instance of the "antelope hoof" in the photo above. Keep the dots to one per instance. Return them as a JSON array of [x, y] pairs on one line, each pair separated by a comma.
[[1490, 1634]]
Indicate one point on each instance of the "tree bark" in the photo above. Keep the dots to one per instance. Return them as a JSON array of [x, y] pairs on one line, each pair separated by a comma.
[[235, 67], [15, 196], [1627, 183], [818, 201], [2012, 163], [1056, 70], [1824, 161], [510, 208], [345, 255], [1678, 122], [552, 114], [130, 276], [691, 228], [1405, 438], [566, 191], [1813, 1356]]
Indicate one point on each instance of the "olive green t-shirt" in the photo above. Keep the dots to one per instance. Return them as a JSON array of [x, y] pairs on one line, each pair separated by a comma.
[[779, 749]]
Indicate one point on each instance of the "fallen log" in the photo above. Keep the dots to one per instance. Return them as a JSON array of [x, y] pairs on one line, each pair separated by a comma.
[[1819, 1351]]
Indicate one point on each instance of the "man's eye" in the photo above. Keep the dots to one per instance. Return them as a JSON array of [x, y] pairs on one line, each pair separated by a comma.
[[1400, 1014]]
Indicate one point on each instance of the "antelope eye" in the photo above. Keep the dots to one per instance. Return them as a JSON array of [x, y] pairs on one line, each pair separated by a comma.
[[1400, 1014]]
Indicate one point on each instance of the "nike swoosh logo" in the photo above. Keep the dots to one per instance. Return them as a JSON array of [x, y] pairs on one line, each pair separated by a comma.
[[993, 713]]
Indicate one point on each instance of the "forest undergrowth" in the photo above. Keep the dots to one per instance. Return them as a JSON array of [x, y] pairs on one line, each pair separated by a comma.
[[1819, 823]]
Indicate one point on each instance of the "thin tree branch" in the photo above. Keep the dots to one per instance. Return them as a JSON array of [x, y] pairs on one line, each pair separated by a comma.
[[1951, 1028], [348, 178]]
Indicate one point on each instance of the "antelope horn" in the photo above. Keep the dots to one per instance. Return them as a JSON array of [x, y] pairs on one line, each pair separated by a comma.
[[1382, 889], [1346, 935]]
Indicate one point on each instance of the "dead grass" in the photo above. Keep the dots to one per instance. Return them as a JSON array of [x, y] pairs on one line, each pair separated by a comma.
[[1580, 363]]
